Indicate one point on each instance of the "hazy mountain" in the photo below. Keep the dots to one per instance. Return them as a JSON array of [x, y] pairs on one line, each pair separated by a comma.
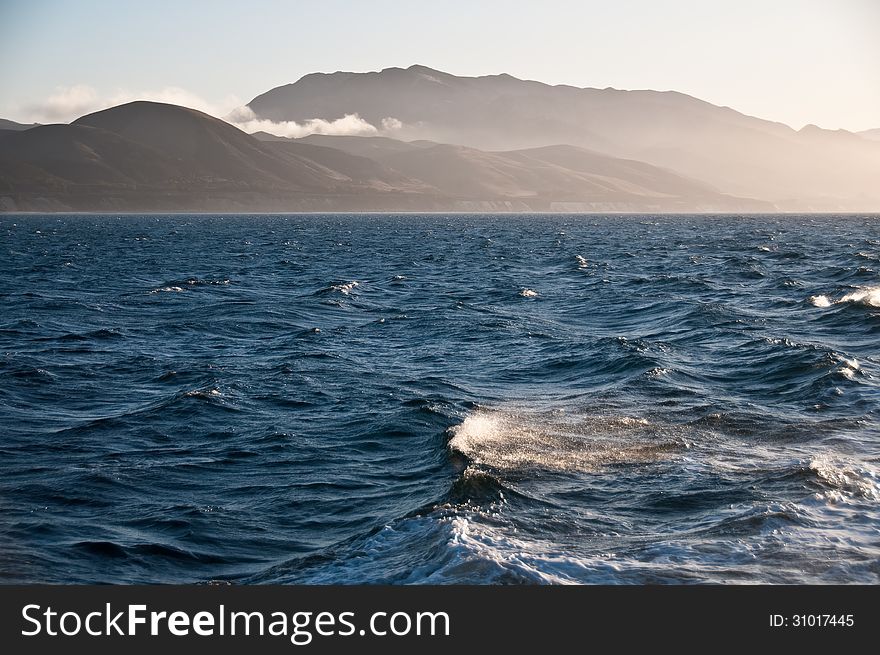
[[154, 156], [265, 136], [366, 146], [736, 153], [873, 135], [355, 168], [557, 177], [348, 154], [6, 124], [544, 177]]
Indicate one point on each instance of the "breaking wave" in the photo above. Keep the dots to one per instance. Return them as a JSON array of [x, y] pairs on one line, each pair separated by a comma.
[[867, 296], [510, 440]]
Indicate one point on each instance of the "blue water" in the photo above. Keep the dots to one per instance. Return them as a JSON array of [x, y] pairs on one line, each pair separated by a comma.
[[440, 399]]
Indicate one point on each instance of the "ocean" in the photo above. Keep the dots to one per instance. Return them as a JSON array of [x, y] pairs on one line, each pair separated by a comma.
[[406, 399]]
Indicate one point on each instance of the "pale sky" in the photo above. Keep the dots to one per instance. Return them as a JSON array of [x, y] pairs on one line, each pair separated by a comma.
[[794, 61]]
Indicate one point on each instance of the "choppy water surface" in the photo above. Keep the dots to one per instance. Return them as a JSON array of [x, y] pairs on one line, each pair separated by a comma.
[[440, 399]]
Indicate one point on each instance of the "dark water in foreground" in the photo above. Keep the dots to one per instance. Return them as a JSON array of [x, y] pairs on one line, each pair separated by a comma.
[[436, 399]]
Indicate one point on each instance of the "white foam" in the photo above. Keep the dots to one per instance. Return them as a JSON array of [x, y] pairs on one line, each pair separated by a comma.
[[868, 296], [528, 293], [345, 288], [582, 261], [850, 368], [174, 289], [203, 393], [847, 479], [864, 296], [658, 372], [492, 552], [531, 561], [516, 440]]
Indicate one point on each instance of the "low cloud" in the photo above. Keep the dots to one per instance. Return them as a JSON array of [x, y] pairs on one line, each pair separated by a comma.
[[69, 103], [351, 124], [391, 124], [176, 96]]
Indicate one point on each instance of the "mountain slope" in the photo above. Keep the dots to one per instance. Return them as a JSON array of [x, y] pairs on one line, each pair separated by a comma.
[[359, 170], [78, 154], [558, 175], [6, 124], [214, 151], [365, 146]]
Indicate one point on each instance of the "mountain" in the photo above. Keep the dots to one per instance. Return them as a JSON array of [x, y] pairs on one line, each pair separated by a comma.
[[145, 156], [213, 151], [736, 153], [80, 155], [355, 168], [6, 124], [873, 135], [364, 146]]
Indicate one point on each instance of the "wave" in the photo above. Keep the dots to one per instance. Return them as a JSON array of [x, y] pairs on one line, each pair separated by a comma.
[[869, 296], [179, 286], [845, 479], [449, 544], [866, 296], [497, 527], [660, 419], [345, 288], [509, 440], [206, 394], [850, 368]]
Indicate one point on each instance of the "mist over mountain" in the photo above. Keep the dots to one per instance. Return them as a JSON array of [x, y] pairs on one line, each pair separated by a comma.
[[739, 154]]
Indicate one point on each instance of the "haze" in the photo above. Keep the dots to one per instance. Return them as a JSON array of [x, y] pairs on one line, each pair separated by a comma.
[[797, 62]]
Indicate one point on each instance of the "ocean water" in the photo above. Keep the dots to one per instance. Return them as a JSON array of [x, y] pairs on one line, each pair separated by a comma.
[[439, 399]]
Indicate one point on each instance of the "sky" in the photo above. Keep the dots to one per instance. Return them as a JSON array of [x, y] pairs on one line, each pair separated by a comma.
[[794, 61]]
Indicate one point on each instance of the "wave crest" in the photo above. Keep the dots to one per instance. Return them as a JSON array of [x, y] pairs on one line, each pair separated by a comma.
[[557, 441], [867, 296], [846, 479]]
